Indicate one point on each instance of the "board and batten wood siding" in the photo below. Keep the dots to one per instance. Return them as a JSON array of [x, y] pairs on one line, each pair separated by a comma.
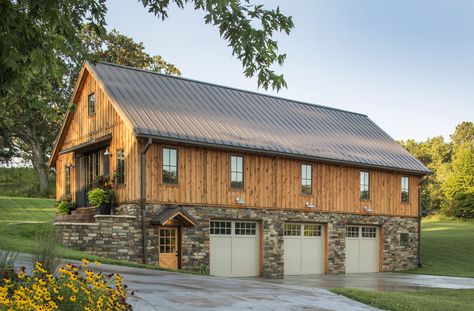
[[82, 128], [271, 182]]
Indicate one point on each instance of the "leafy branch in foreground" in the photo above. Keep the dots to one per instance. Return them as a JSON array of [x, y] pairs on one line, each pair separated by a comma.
[[248, 28]]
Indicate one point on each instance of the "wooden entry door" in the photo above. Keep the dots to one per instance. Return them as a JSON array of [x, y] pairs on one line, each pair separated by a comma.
[[168, 239]]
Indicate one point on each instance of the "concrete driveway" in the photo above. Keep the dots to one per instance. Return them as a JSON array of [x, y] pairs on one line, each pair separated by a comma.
[[376, 281], [160, 290]]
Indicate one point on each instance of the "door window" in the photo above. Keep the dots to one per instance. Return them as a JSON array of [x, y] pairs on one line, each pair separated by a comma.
[[168, 240]]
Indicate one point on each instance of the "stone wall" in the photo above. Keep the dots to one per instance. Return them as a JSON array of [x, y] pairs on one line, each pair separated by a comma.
[[196, 244], [119, 236], [112, 236]]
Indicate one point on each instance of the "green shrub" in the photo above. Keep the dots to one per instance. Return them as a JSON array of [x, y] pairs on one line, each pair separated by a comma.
[[98, 196], [65, 205]]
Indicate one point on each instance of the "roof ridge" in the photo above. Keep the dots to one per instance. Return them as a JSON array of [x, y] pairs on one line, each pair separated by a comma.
[[230, 88]]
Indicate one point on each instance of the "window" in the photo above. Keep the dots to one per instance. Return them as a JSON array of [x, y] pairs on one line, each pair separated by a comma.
[[312, 230], [404, 241], [67, 179], [170, 166], [168, 241], [91, 103], [364, 185], [245, 228], [220, 227], [120, 169], [237, 172], [292, 230], [404, 188], [369, 232], [306, 179], [352, 232]]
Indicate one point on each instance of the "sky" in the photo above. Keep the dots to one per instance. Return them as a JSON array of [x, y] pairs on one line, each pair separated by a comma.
[[407, 64]]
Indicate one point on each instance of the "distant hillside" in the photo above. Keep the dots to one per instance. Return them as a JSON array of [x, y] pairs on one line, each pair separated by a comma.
[[23, 182]]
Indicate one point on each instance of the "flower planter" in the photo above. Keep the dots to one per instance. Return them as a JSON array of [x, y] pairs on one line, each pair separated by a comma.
[[104, 209]]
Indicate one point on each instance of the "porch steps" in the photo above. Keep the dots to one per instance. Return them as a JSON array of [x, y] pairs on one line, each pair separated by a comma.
[[81, 214]]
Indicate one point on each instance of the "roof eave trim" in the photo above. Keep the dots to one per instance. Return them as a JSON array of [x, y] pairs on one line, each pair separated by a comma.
[[287, 155]]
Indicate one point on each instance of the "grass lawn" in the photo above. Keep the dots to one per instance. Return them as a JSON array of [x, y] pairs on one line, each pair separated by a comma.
[[22, 218], [447, 248], [420, 300]]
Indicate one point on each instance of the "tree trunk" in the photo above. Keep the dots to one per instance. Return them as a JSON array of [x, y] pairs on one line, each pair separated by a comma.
[[39, 163]]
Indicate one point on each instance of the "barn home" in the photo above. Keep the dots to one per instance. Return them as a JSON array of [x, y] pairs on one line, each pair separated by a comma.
[[232, 182]]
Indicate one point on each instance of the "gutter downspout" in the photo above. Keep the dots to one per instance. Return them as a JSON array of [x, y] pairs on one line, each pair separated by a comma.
[[420, 184], [143, 197]]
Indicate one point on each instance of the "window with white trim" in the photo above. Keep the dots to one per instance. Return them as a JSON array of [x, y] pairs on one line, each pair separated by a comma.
[[364, 185], [306, 179], [404, 183], [312, 230], [220, 227], [369, 232], [245, 228], [292, 230], [236, 172], [352, 231]]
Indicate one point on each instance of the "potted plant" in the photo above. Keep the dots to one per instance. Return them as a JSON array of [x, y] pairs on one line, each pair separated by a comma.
[[102, 195]]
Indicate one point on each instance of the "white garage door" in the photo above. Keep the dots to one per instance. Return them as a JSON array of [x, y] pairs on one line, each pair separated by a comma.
[[235, 248], [362, 249], [303, 249]]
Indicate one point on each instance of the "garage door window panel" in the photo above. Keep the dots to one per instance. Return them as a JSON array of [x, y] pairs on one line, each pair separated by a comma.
[[245, 228], [352, 232], [221, 227], [369, 232], [292, 230], [312, 230]]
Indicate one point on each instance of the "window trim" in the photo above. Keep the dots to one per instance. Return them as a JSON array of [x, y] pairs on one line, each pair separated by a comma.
[[117, 166], [368, 185], [301, 179], [230, 172], [88, 104], [177, 166], [408, 189]]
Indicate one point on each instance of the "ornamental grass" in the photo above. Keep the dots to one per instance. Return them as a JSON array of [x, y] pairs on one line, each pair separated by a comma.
[[71, 288]]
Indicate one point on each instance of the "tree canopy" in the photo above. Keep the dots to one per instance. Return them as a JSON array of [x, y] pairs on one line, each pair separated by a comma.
[[450, 190]]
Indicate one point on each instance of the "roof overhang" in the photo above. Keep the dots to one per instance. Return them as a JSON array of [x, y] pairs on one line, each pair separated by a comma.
[[89, 145], [173, 215]]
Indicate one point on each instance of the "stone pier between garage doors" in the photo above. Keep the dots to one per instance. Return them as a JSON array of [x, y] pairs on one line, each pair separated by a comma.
[[259, 237]]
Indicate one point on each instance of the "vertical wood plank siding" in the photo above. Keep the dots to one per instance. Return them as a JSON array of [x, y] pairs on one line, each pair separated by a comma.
[[269, 182], [82, 128], [204, 173]]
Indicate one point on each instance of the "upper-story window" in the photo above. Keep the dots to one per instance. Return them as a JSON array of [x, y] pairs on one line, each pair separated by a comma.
[[236, 172], [91, 103], [67, 179], [364, 185], [306, 179], [120, 167], [404, 189], [170, 165]]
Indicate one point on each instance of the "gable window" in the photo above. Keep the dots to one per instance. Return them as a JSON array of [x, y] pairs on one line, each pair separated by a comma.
[[404, 189], [306, 179], [237, 172], [91, 103], [120, 167], [364, 185], [170, 165], [67, 179]]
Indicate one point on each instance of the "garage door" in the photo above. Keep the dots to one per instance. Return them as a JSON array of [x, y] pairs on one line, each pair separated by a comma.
[[303, 249], [235, 248], [362, 249]]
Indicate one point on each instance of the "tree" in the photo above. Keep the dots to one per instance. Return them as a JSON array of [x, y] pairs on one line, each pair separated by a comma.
[[29, 123]]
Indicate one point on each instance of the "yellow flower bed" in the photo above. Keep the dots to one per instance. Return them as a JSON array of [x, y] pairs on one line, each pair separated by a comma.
[[72, 288]]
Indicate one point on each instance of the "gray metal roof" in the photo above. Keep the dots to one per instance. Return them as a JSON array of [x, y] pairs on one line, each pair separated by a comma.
[[179, 109]]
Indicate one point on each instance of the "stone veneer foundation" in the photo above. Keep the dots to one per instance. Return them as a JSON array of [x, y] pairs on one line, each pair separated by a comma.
[[119, 236]]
